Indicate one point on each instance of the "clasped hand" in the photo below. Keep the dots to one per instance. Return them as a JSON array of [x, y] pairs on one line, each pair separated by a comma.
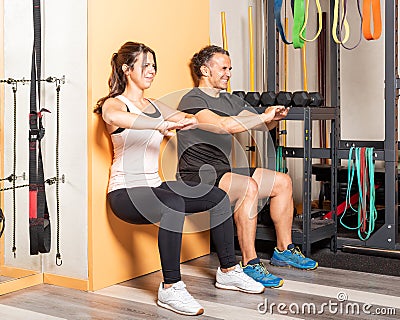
[[167, 127], [276, 113]]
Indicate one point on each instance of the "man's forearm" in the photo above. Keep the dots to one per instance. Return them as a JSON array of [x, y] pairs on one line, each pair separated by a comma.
[[266, 126], [273, 124], [238, 124]]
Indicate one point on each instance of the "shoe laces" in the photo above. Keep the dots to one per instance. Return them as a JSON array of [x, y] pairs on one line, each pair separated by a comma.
[[299, 256], [239, 272], [262, 269], [296, 250], [180, 290]]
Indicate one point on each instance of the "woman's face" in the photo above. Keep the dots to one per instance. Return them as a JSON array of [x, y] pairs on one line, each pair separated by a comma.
[[143, 72]]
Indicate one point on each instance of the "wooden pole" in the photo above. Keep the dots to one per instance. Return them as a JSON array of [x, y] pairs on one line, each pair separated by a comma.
[[253, 154]]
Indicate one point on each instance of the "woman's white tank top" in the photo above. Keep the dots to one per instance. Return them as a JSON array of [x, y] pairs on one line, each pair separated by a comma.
[[136, 152]]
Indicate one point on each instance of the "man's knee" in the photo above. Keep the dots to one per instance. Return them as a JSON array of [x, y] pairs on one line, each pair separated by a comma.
[[283, 182], [238, 187], [251, 189]]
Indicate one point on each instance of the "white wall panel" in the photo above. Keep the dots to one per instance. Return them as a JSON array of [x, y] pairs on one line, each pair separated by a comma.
[[237, 34], [64, 47], [362, 85]]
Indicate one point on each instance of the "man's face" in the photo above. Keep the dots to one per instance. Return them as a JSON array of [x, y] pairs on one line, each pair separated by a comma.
[[219, 68]]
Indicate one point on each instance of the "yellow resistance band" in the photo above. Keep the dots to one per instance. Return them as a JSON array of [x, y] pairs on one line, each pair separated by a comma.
[[306, 20], [335, 23]]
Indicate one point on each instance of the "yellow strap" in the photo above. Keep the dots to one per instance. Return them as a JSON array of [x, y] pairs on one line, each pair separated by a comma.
[[225, 41], [306, 20], [225, 46], [335, 23], [305, 75], [253, 155], [251, 45]]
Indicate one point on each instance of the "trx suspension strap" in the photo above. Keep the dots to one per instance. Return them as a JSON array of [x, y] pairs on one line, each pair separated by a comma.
[[39, 223], [366, 24]]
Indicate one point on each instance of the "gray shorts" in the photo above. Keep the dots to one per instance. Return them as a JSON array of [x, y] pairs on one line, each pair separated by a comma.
[[214, 177]]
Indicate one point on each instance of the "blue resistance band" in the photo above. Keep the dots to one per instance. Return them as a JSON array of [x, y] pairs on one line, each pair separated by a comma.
[[277, 14]]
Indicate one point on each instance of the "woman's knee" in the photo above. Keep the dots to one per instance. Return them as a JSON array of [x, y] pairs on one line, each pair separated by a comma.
[[218, 195], [221, 211], [173, 202], [221, 201], [172, 211]]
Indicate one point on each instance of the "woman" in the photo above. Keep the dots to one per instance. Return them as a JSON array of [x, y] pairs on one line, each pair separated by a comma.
[[136, 193]]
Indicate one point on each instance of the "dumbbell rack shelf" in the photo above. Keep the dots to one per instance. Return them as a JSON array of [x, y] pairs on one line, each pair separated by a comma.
[[307, 230]]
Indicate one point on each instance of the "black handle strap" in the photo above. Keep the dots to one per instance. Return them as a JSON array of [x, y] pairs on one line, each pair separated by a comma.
[[39, 222]]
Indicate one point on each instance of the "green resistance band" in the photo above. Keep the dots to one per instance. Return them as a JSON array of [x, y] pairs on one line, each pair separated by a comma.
[[298, 22]]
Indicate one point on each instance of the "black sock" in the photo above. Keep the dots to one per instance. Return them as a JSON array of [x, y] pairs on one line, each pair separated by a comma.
[[254, 261]]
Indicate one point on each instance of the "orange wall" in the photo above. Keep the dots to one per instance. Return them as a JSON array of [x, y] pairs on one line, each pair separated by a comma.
[[175, 29]]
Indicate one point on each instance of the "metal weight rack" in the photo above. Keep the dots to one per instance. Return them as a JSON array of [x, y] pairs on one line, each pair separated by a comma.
[[312, 230]]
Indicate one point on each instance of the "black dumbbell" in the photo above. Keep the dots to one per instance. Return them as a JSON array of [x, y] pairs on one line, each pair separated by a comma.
[[253, 98], [268, 98], [301, 99], [304, 99], [284, 98], [316, 99], [240, 94]]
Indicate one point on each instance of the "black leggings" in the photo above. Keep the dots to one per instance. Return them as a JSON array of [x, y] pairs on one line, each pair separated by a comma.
[[169, 204]]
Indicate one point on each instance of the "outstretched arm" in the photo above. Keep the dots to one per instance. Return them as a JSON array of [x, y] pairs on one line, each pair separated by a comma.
[[116, 116], [246, 120], [280, 113], [174, 115]]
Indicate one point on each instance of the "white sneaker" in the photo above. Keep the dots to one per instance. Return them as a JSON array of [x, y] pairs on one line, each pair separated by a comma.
[[179, 300], [237, 280]]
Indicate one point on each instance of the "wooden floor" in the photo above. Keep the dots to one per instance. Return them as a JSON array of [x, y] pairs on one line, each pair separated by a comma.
[[2, 278], [135, 299]]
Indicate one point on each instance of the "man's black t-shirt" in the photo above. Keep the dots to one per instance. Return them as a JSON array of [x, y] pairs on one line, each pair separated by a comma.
[[202, 153]]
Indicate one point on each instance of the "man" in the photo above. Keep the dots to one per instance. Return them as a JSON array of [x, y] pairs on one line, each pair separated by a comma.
[[204, 156]]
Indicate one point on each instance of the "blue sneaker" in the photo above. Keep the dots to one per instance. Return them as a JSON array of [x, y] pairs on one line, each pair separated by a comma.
[[260, 273], [292, 257]]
